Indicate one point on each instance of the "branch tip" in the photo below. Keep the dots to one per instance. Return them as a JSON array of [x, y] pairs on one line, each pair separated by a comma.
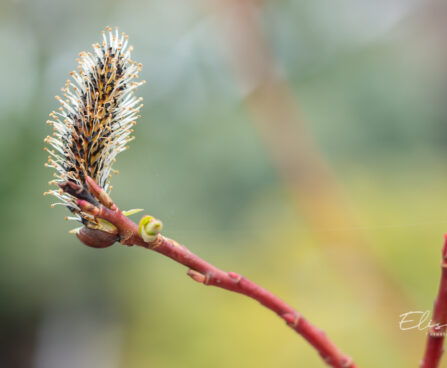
[[444, 248], [347, 362]]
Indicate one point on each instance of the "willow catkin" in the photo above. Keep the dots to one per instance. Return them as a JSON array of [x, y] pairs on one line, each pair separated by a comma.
[[95, 119]]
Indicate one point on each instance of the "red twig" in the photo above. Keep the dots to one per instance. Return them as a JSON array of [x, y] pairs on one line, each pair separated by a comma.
[[207, 274], [437, 330]]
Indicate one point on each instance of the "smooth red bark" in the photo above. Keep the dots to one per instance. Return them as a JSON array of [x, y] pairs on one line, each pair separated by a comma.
[[437, 330]]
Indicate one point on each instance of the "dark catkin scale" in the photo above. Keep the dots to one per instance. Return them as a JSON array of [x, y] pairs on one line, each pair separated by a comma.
[[94, 122]]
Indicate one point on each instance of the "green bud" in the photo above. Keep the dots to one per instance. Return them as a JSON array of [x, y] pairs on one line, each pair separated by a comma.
[[149, 228]]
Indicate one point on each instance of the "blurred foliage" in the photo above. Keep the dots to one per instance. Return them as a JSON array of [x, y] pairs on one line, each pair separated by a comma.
[[370, 81]]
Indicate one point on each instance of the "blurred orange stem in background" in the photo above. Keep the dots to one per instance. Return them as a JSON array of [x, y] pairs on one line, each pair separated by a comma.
[[274, 111]]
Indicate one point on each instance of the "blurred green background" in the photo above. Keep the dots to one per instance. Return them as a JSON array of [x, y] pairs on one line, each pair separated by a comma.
[[368, 81]]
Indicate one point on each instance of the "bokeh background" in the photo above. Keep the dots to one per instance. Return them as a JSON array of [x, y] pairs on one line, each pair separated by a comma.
[[300, 143]]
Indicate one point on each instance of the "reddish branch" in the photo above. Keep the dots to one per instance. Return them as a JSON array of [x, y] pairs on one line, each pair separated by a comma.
[[205, 273], [437, 330]]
